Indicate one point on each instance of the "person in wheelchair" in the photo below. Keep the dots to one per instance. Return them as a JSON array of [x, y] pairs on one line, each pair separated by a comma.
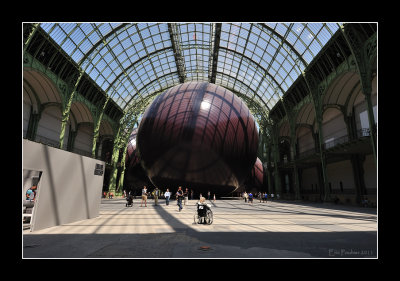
[[203, 212], [129, 201]]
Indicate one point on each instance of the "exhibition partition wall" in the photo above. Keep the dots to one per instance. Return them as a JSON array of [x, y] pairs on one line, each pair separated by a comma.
[[70, 185]]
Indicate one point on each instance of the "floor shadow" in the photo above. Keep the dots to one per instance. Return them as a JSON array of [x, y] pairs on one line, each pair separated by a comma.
[[172, 221], [187, 244], [186, 240]]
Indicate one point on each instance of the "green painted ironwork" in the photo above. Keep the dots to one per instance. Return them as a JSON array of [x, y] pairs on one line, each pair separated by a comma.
[[177, 49], [363, 52], [63, 88], [97, 127], [257, 102], [67, 108]]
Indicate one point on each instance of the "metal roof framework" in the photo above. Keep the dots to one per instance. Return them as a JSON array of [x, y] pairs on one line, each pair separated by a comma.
[[132, 62]]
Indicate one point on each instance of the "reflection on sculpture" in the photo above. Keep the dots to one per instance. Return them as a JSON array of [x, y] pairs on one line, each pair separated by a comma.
[[257, 174], [255, 179]]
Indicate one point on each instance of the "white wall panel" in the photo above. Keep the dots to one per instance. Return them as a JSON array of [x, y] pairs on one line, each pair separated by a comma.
[[69, 188]]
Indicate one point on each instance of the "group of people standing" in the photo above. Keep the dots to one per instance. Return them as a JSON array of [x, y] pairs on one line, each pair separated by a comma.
[[262, 196], [180, 195]]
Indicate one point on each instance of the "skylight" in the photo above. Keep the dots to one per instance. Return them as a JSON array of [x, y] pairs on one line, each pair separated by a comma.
[[133, 60]]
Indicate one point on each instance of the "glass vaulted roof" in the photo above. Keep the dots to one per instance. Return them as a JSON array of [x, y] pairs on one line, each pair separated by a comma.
[[132, 61]]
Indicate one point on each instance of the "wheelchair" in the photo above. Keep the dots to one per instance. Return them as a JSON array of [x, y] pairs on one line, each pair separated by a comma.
[[129, 201], [203, 214]]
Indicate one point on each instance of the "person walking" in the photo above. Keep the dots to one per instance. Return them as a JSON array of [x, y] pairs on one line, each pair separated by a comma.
[[167, 196], [246, 196], [179, 197], [186, 196], [156, 194], [191, 194], [144, 197], [251, 198], [208, 195], [265, 197], [214, 197]]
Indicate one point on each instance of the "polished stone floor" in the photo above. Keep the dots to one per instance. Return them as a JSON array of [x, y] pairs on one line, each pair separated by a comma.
[[240, 230]]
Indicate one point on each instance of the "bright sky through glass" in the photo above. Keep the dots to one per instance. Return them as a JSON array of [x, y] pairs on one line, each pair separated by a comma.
[[131, 61]]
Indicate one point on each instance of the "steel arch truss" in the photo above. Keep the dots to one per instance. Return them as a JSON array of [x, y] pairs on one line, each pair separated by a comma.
[[133, 62]]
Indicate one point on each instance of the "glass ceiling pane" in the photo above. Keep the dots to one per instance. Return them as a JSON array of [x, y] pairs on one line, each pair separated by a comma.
[[138, 58]]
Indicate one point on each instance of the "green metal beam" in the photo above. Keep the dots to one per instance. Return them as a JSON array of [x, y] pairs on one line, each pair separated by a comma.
[[364, 71], [283, 39], [215, 51], [177, 49], [67, 108], [258, 66], [101, 41], [125, 70], [30, 36], [97, 127]]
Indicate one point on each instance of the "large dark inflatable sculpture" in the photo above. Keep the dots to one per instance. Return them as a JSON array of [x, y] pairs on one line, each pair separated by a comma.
[[255, 180], [135, 176], [257, 174], [200, 136]]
